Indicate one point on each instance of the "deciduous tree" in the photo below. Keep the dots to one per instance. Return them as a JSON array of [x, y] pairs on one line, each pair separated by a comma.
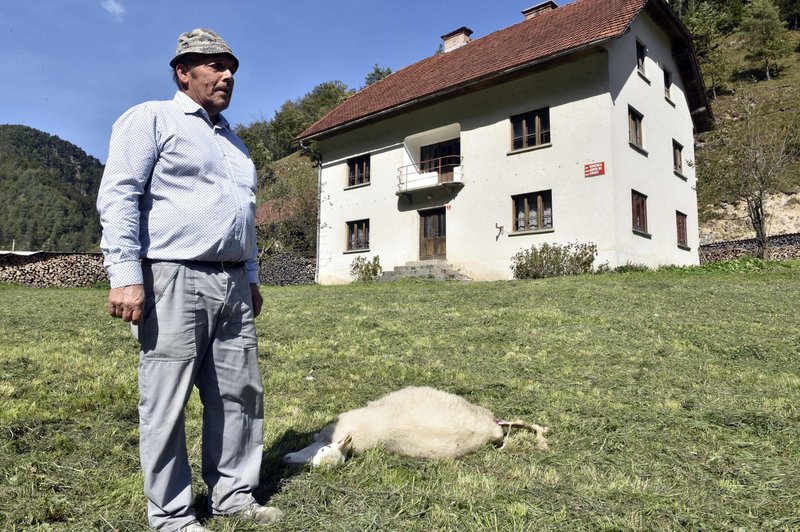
[[765, 34], [759, 154]]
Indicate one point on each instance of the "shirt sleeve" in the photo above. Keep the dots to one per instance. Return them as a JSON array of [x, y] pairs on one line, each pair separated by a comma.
[[132, 154]]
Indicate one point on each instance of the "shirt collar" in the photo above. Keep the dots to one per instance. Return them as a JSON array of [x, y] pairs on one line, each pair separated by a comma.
[[191, 107]]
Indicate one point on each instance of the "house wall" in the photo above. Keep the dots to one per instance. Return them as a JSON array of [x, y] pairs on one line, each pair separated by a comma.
[[476, 245], [651, 174], [588, 100]]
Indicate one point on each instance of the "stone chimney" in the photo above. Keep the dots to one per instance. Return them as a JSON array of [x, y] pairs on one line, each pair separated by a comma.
[[538, 9], [456, 39]]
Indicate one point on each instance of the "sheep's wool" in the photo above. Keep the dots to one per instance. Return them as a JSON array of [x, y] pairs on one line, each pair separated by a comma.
[[415, 421]]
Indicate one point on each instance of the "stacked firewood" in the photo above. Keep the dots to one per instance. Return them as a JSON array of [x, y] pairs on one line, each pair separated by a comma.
[[53, 269], [782, 247], [287, 269]]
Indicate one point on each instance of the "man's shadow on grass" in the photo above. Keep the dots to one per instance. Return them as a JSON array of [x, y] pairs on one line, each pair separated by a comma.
[[273, 470]]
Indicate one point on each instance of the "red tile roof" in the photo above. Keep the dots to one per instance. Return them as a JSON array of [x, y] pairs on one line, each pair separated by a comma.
[[545, 36]]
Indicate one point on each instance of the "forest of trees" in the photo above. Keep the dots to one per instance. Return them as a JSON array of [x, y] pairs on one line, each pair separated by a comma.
[[48, 188]]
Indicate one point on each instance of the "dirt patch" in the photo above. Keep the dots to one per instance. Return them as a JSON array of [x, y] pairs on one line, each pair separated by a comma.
[[731, 223]]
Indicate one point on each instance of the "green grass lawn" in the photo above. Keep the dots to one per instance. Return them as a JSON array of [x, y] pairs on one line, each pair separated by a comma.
[[673, 398]]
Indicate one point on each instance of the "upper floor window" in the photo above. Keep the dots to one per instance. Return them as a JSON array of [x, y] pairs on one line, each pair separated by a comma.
[[358, 171], [641, 55], [358, 235], [639, 210], [533, 211], [677, 157], [635, 130], [667, 84], [531, 129], [680, 222]]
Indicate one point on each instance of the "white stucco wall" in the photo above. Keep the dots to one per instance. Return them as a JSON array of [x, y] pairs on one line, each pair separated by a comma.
[[652, 174], [588, 101]]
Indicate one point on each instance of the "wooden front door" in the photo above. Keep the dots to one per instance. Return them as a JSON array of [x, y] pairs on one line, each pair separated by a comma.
[[441, 157], [432, 235]]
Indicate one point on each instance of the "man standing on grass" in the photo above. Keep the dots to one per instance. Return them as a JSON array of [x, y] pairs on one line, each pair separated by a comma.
[[177, 204]]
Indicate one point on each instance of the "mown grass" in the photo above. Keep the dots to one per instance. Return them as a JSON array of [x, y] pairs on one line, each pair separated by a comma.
[[672, 396]]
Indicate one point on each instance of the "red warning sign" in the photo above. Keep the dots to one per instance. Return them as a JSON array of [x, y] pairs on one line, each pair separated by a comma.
[[594, 169]]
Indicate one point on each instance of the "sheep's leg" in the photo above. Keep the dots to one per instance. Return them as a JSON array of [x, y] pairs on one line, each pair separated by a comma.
[[539, 430]]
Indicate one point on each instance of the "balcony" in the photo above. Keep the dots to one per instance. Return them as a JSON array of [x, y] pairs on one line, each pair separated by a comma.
[[431, 175]]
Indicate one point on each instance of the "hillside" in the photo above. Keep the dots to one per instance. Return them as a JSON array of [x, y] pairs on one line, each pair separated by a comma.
[[721, 217], [48, 188]]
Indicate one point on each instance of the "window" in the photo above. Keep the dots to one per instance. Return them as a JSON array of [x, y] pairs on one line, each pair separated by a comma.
[[641, 55], [533, 211], [358, 235], [667, 83], [677, 158], [680, 222], [531, 129], [635, 128], [358, 171], [639, 203]]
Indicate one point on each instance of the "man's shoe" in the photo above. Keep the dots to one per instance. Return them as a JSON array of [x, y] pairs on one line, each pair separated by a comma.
[[194, 526], [263, 515]]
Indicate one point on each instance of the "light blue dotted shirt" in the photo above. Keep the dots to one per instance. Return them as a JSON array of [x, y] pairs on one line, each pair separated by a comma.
[[176, 187]]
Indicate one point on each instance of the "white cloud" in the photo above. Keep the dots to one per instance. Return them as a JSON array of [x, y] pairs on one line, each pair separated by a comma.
[[114, 7]]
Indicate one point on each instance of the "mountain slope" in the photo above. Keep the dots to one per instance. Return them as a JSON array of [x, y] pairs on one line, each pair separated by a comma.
[[48, 188]]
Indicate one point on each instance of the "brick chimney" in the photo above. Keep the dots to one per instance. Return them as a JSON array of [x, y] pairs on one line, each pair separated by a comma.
[[456, 39], [538, 9]]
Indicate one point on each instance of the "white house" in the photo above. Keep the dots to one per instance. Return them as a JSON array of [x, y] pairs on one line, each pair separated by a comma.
[[574, 125]]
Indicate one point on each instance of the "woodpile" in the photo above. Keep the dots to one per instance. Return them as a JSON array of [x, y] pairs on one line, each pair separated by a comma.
[[43, 270], [781, 247], [287, 269]]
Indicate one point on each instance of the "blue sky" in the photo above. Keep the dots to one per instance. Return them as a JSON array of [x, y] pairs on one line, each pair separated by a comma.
[[73, 66]]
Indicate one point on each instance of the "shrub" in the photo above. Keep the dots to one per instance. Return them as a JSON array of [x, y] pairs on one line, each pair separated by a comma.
[[365, 270], [632, 267], [553, 260]]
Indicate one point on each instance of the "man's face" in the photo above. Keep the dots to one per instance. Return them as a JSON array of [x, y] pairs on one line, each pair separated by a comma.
[[209, 82]]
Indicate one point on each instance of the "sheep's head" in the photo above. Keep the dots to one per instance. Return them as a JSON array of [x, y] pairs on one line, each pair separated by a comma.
[[334, 454]]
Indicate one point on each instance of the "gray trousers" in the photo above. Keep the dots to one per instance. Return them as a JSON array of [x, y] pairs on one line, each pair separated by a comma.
[[198, 330]]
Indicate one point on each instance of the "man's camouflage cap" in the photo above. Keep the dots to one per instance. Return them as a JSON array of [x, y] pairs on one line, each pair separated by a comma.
[[201, 41]]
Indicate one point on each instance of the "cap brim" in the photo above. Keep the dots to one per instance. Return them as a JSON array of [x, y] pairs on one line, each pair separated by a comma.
[[177, 58]]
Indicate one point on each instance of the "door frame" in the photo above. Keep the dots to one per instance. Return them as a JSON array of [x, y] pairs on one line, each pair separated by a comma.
[[434, 248]]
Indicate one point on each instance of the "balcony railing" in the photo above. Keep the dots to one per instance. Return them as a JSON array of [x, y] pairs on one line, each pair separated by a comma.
[[430, 173]]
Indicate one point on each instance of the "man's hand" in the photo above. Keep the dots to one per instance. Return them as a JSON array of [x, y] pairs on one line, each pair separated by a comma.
[[257, 299], [127, 302]]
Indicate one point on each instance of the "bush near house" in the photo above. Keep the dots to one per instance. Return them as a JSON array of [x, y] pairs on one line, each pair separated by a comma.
[[553, 260]]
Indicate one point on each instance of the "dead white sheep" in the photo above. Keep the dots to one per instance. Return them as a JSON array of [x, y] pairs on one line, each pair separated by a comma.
[[415, 421]]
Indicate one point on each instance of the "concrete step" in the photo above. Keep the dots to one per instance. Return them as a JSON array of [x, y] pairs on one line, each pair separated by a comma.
[[436, 270]]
